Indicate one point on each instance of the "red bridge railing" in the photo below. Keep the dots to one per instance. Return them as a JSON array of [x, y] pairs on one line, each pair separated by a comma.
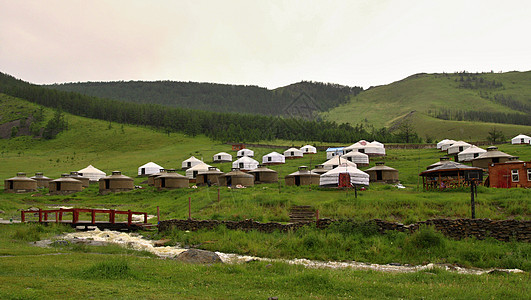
[[44, 214]]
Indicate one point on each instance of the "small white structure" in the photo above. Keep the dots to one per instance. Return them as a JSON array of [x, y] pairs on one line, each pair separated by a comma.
[[147, 169], [457, 147], [470, 153], [371, 149], [521, 139], [331, 152], [336, 161], [439, 144], [191, 162], [92, 173], [273, 158], [331, 178], [221, 157], [293, 153], [360, 159], [192, 172], [446, 145], [245, 164], [245, 152], [308, 149]]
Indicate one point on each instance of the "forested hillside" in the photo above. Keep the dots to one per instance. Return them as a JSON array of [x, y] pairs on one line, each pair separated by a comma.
[[218, 126], [218, 97]]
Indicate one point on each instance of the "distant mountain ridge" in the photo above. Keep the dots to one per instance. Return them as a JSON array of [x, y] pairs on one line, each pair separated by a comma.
[[217, 97]]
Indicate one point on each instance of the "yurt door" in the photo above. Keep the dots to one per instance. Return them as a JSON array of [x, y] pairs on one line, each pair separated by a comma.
[[143, 171], [163, 182], [57, 186], [189, 164], [344, 180], [297, 180], [229, 181], [257, 176], [107, 183], [379, 175], [11, 185]]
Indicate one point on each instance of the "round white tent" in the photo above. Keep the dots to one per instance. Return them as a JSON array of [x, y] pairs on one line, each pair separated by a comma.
[[371, 149], [308, 149], [293, 153], [331, 152], [447, 144], [377, 144], [331, 178], [336, 161], [470, 153], [92, 173], [458, 147], [357, 145], [439, 144], [245, 152], [192, 172], [245, 163], [521, 139], [191, 162], [221, 157], [273, 158], [149, 168], [360, 159]]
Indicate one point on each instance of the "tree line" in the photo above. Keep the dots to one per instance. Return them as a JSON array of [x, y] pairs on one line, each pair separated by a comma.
[[216, 97], [225, 127], [481, 116]]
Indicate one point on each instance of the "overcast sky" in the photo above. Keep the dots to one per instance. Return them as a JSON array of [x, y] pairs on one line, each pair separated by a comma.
[[266, 43]]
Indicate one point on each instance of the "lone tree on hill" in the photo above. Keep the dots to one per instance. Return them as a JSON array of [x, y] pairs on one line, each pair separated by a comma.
[[495, 136]]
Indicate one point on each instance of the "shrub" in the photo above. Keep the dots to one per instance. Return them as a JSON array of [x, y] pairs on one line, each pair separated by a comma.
[[109, 269]]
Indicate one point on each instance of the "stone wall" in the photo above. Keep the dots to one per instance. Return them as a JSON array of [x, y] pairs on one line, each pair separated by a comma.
[[503, 230]]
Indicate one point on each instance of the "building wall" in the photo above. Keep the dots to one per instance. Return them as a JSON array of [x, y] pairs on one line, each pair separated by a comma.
[[502, 175]]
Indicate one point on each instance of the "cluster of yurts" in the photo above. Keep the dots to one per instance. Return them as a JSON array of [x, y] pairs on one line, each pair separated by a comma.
[[246, 171]]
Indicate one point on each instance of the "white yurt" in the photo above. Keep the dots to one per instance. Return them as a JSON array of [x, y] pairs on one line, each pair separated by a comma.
[[470, 153], [308, 149], [331, 178], [447, 144], [370, 149], [457, 147], [439, 144], [147, 169], [191, 162], [331, 152], [273, 158], [336, 161], [92, 173], [245, 164], [192, 172], [293, 153], [357, 145], [245, 152], [521, 139], [221, 157], [377, 144], [360, 159]]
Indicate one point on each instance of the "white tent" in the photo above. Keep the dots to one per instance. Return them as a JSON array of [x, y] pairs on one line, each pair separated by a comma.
[[245, 152], [521, 139], [192, 172], [308, 149], [245, 163], [92, 173], [357, 145], [439, 144], [331, 178], [331, 152], [470, 153], [360, 159], [458, 147], [372, 149], [189, 163], [293, 153], [336, 161], [273, 158], [149, 168], [447, 144], [377, 144], [222, 157]]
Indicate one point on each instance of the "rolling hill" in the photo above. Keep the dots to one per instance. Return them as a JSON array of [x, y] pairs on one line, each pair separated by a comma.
[[437, 104]]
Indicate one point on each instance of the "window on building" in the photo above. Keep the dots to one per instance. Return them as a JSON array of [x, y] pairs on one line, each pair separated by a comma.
[[528, 174], [514, 175]]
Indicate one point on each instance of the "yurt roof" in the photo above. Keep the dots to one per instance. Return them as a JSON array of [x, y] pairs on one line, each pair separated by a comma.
[[521, 136], [358, 144], [39, 176], [460, 143], [246, 159], [151, 165], [378, 144], [492, 152], [244, 151], [449, 166], [199, 167], [381, 168], [210, 171], [273, 154], [21, 177], [308, 146], [237, 173], [293, 149], [117, 175], [263, 170], [66, 178], [473, 149], [222, 153], [172, 174], [334, 149], [447, 142], [336, 160], [192, 159], [303, 171], [92, 170], [355, 153]]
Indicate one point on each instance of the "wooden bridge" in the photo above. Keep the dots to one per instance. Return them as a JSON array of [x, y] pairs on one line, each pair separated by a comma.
[[86, 218]]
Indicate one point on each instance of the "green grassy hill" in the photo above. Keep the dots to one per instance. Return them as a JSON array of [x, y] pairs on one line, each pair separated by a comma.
[[423, 96]]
